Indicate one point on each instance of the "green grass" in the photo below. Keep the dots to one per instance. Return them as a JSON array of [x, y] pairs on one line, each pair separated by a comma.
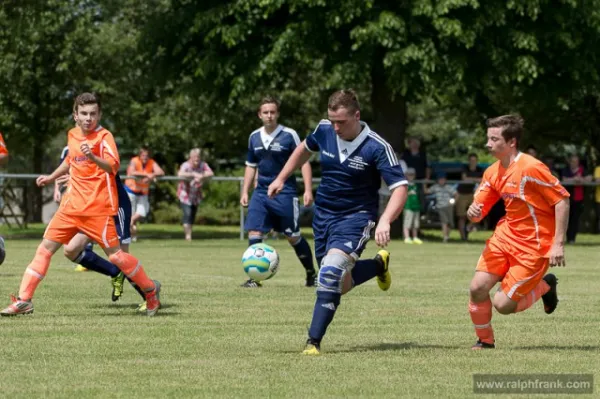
[[213, 339]]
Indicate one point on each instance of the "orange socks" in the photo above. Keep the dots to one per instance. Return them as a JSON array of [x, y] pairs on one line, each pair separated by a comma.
[[132, 269], [481, 315], [35, 272], [533, 296]]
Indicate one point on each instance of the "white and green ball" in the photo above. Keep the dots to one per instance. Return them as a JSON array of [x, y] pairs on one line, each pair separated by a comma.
[[260, 262]]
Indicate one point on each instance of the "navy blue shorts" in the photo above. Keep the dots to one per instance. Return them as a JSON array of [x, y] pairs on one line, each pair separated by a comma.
[[279, 214], [123, 217], [348, 233]]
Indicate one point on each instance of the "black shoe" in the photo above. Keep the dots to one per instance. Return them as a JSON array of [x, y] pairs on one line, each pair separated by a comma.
[[482, 345], [550, 298], [251, 284], [310, 278]]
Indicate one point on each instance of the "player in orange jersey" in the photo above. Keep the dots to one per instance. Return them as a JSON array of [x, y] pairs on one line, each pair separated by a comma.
[[526, 241], [3, 161], [88, 206], [3, 151]]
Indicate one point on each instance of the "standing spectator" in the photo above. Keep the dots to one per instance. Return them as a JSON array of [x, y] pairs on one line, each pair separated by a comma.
[[597, 197], [444, 199], [549, 162], [412, 211], [416, 158], [471, 173], [575, 173], [144, 170], [196, 172]]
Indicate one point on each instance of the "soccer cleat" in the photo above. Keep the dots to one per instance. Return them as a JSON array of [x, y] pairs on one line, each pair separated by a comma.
[[310, 278], [417, 241], [17, 307], [141, 307], [80, 268], [408, 240], [482, 345], [384, 278], [251, 284], [117, 284], [550, 298], [313, 348], [153, 300]]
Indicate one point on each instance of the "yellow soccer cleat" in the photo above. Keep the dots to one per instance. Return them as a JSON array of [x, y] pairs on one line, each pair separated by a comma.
[[142, 307], [384, 278], [313, 348], [80, 268]]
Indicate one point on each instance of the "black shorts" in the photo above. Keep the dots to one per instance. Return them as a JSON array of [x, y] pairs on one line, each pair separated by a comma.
[[189, 213]]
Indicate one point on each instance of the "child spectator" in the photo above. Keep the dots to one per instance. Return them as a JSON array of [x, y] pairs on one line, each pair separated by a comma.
[[412, 210], [445, 196]]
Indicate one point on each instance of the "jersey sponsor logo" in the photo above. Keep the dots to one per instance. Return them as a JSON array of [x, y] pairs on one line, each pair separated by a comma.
[[330, 155], [277, 147], [512, 184], [357, 162], [507, 196], [80, 159]]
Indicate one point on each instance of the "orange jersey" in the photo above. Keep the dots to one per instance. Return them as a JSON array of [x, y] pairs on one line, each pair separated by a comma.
[[529, 192], [91, 190], [3, 149], [138, 186]]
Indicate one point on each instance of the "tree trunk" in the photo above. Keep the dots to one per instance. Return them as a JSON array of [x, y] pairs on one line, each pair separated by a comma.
[[389, 111]]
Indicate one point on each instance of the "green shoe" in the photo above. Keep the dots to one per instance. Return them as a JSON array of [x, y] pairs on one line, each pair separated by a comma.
[[117, 284]]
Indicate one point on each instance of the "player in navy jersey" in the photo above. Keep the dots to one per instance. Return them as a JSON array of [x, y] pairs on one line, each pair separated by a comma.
[[353, 161], [80, 248], [269, 148]]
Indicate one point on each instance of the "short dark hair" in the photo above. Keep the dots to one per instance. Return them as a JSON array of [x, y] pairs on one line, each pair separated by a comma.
[[344, 98], [86, 99], [472, 155], [144, 148], [269, 100], [512, 126]]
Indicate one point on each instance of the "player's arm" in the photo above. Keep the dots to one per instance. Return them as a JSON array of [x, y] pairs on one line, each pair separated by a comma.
[[249, 176], [393, 209], [299, 157], [485, 198], [62, 169], [307, 179]]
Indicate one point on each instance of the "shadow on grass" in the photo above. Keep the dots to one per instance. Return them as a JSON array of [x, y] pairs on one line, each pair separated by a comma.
[[396, 346], [128, 306], [587, 348]]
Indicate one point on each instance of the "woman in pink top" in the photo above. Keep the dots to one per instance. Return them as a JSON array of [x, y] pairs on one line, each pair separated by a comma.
[[194, 172]]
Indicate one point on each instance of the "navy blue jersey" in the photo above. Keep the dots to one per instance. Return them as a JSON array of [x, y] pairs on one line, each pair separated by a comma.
[[269, 153], [351, 171]]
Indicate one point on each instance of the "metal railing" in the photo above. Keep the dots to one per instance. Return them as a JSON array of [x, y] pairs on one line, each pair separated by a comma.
[[240, 180]]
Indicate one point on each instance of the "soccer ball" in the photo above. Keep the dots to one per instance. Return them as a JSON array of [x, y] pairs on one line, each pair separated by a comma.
[[260, 262]]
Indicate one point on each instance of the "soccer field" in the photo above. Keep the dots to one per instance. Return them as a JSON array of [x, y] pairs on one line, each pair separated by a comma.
[[214, 339]]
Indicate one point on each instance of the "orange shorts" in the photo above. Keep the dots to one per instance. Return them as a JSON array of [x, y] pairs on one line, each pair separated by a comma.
[[520, 271], [100, 229]]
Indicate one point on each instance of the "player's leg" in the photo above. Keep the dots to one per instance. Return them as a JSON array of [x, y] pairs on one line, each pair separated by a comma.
[[492, 266], [286, 216], [60, 230], [416, 225], [406, 225], [76, 252], [525, 284], [103, 230], [189, 215], [258, 224], [335, 266]]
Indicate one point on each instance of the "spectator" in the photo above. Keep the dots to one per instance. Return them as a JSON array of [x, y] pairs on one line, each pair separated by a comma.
[[574, 172], [549, 162], [531, 150], [471, 173], [144, 170], [416, 158], [412, 210], [189, 191], [597, 197], [444, 200]]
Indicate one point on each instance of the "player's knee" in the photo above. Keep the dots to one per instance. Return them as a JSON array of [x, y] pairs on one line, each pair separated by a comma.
[[503, 304], [332, 272], [117, 258], [71, 253], [478, 291]]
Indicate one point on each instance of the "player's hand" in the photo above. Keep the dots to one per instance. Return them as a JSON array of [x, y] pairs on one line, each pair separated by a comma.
[[57, 196], [475, 211], [62, 179], [557, 255], [275, 188], [308, 198], [244, 200], [382, 234], [42, 180], [87, 151]]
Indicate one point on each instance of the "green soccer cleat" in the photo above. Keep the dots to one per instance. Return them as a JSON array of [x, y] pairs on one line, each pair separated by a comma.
[[117, 284], [384, 278], [142, 307]]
